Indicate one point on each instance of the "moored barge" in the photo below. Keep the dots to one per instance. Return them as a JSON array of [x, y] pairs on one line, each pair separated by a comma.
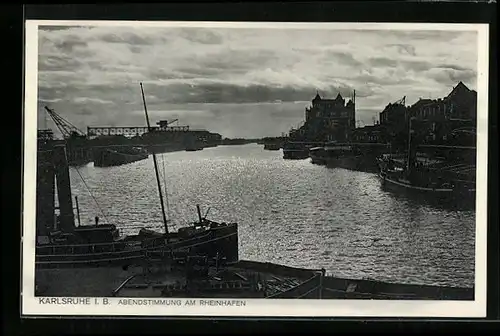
[[107, 157], [297, 150], [424, 174]]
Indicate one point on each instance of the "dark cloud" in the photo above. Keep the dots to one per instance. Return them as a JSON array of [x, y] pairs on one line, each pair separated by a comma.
[[343, 58], [70, 44], [58, 62], [129, 38], [232, 93], [408, 64], [426, 35], [57, 28], [450, 76], [235, 59], [416, 65], [197, 72], [407, 49], [201, 36], [231, 78], [380, 81], [383, 62], [453, 67]]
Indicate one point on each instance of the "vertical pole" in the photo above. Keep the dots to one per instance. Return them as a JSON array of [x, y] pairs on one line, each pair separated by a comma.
[[77, 210], [199, 212], [411, 147], [320, 294], [156, 167]]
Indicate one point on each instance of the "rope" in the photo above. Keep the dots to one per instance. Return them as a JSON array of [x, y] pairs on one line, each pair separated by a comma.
[[95, 200], [165, 185]]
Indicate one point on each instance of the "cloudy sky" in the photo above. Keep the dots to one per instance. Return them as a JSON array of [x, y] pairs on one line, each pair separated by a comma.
[[243, 82]]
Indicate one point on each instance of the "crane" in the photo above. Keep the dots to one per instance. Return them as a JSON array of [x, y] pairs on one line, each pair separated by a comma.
[[166, 123], [402, 101], [66, 128]]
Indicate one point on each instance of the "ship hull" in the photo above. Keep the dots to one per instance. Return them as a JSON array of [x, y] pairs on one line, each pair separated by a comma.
[[357, 163], [464, 193], [222, 240], [109, 158], [272, 146], [295, 154]]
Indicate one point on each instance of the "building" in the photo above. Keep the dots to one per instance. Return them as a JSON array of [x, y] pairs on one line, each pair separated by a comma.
[[394, 124], [394, 114], [370, 134], [327, 120], [449, 120]]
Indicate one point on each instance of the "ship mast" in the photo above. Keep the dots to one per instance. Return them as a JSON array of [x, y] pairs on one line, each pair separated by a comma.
[[156, 165]]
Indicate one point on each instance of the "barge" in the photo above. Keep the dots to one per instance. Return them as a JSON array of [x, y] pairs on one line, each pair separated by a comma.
[[344, 156], [297, 150], [438, 180], [201, 277], [272, 146], [107, 157], [428, 175]]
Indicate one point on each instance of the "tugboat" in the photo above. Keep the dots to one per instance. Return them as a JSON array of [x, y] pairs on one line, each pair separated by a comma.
[[60, 243]]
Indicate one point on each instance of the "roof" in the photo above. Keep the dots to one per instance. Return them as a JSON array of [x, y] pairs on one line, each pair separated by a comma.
[[461, 90], [421, 102]]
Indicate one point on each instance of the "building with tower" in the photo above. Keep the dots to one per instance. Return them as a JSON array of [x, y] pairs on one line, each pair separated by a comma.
[[327, 120]]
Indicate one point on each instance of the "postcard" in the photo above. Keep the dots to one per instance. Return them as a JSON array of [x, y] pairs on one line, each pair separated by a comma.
[[255, 169]]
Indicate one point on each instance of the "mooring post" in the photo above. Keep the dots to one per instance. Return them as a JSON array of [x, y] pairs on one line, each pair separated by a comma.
[[320, 294], [67, 217]]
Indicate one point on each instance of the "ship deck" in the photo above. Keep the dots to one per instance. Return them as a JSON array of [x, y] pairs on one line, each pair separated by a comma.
[[235, 281]]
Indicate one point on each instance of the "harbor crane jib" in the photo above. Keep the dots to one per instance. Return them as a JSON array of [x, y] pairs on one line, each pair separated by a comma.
[[67, 129]]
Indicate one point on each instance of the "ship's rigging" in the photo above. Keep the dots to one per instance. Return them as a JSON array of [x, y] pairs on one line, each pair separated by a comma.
[[69, 131], [160, 193]]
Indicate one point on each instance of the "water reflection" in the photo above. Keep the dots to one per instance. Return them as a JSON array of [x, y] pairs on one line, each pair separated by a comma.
[[293, 212]]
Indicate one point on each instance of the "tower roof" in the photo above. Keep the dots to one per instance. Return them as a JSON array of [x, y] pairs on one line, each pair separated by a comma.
[[339, 97], [318, 97]]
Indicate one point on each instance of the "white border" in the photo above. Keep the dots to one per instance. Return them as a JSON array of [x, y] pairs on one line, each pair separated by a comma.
[[259, 307]]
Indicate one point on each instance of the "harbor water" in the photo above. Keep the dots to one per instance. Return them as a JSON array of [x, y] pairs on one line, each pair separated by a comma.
[[290, 212]]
